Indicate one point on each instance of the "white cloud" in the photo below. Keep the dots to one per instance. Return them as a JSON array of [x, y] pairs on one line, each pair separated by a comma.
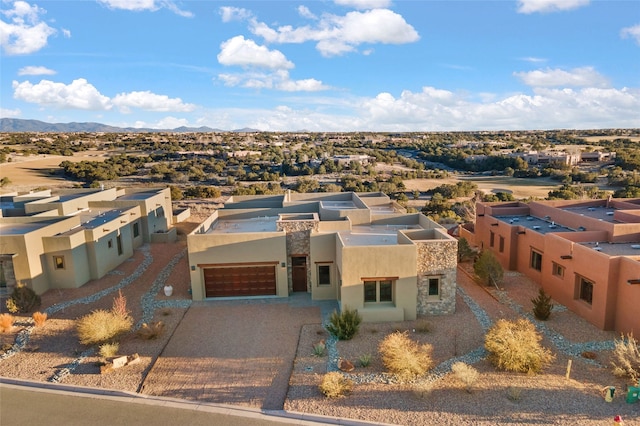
[[533, 59], [77, 95], [336, 35], [149, 102], [229, 13], [24, 33], [141, 5], [246, 53], [577, 77], [364, 4], [66, 33], [32, 70], [9, 113], [544, 6], [278, 80], [631, 32], [170, 123], [306, 13]]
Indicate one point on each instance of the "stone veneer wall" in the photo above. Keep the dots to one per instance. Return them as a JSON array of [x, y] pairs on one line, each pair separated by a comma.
[[437, 258], [298, 243]]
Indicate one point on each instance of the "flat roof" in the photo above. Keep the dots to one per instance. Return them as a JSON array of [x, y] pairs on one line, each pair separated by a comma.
[[374, 235], [615, 249], [256, 224], [539, 225], [338, 205], [383, 209], [135, 196], [596, 212], [21, 228]]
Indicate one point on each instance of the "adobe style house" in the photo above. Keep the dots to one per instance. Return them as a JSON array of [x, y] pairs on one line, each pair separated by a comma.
[[585, 254], [64, 239], [358, 248]]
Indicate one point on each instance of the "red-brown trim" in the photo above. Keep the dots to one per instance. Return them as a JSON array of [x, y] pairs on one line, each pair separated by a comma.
[[379, 278], [224, 265], [324, 261]]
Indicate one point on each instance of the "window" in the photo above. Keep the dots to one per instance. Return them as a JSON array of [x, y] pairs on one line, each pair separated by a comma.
[[492, 238], [324, 274], [378, 291], [110, 243], [58, 262], [119, 243], [501, 244], [434, 288], [136, 230], [585, 288], [558, 270], [536, 260]]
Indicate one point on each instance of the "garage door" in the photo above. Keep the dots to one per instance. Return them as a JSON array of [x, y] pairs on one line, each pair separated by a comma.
[[240, 281]]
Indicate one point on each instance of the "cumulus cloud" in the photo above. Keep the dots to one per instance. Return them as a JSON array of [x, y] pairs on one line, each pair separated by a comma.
[[149, 102], [141, 5], [229, 13], [577, 77], [545, 6], [32, 70], [77, 95], [306, 13], [9, 113], [631, 32], [278, 80], [80, 94], [246, 53], [24, 32], [364, 4], [336, 35]]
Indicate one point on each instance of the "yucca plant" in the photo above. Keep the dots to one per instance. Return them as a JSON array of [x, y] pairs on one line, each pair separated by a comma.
[[344, 325]]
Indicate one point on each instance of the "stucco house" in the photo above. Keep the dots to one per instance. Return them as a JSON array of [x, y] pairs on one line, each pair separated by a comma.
[[361, 249], [585, 253], [66, 238]]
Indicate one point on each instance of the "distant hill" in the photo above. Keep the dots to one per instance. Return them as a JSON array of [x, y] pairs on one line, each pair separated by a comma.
[[20, 125]]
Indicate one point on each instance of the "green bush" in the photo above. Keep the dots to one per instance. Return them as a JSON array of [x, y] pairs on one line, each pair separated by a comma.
[[22, 299], [488, 269], [465, 252], [334, 384], [102, 326], [515, 346], [344, 325], [405, 358], [542, 306], [365, 360]]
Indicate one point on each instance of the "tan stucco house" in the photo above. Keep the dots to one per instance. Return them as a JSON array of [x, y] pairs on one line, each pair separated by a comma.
[[64, 239], [361, 249]]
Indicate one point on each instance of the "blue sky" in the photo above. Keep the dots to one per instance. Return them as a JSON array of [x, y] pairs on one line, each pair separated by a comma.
[[342, 65]]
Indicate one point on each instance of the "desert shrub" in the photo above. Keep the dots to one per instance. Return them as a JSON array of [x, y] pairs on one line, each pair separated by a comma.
[[39, 318], [6, 322], [151, 331], [109, 350], [344, 325], [514, 394], [319, 348], [405, 358], [334, 384], [365, 360], [515, 346], [626, 358], [465, 374], [542, 306], [101, 326], [423, 326], [488, 269], [120, 305], [22, 299], [465, 252]]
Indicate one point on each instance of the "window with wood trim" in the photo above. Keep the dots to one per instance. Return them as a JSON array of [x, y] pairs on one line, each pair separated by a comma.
[[378, 291], [501, 244], [536, 260], [492, 238], [557, 270], [585, 290], [58, 262], [433, 290], [136, 230], [324, 275]]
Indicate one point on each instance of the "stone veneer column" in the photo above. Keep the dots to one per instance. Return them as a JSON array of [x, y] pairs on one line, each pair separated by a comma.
[[437, 258], [298, 243]]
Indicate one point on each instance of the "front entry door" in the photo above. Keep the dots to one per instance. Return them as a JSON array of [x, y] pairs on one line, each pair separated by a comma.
[[299, 273]]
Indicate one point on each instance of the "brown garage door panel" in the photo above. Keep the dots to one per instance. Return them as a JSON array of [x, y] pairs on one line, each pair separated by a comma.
[[240, 281]]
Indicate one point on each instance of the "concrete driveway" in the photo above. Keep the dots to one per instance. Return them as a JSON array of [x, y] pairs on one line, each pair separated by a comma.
[[235, 352]]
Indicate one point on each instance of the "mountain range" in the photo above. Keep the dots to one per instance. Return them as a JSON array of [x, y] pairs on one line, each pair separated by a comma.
[[19, 125]]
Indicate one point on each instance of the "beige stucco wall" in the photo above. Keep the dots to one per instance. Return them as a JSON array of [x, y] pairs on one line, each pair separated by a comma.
[[323, 252], [210, 249]]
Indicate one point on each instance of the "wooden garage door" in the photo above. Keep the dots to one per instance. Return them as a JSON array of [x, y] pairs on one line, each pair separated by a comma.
[[240, 281]]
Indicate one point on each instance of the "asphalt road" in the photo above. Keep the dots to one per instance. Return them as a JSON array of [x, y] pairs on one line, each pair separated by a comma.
[[43, 405]]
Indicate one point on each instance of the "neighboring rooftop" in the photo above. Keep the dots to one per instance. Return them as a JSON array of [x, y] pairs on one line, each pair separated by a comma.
[[600, 212], [374, 235], [540, 225], [338, 205], [257, 224], [21, 228], [615, 249]]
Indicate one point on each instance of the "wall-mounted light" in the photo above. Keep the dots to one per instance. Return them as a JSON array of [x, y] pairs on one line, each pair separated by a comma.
[[636, 281], [566, 257], [193, 267], [494, 224], [283, 265]]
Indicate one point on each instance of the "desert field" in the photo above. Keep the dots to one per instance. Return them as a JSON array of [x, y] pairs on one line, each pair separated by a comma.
[[520, 188], [30, 172]]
